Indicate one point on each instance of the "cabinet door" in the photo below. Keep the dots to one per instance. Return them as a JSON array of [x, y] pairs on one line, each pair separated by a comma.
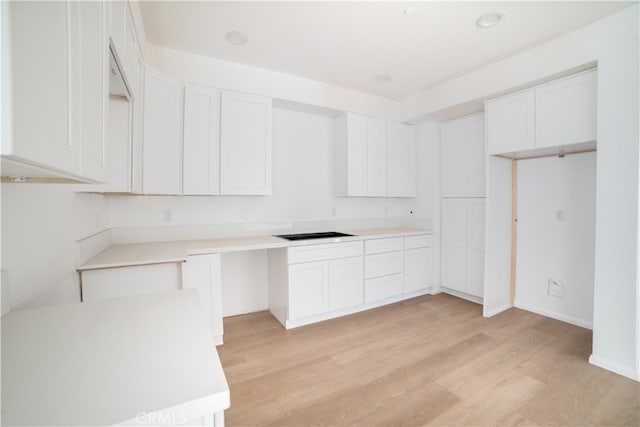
[[130, 47], [119, 149], [376, 157], [202, 272], [566, 111], [346, 286], [40, 85], [475, 247], [89, 100], [162, 136], [308, 289], [201, 162], [511, 123], [117, 23], [384, 264], [245, 141], [417, 269], [401, 160], [476, 157], [454, 244], [454, 142], [382, 287], [356, 155], [137, 126]]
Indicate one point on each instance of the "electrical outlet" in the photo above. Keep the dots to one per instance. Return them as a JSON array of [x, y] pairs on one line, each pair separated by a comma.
[[167, 215], [244, 215], [555, 288]]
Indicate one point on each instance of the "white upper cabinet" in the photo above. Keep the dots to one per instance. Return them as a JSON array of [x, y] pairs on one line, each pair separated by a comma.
[[90, 55], [40, 85], [245, 144], [162, 141], [373, 158], [401, 160], [117, 24], [350, 155], [511, 123], [566, 111], [376, 157], [463, 157], [58, 90], [201, 156], [553, 115]]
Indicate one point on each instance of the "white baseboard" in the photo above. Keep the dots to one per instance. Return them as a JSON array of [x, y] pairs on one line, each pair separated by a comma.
[[462, 295], [498, 310], [290, 324], [558, 316], [619, 369]]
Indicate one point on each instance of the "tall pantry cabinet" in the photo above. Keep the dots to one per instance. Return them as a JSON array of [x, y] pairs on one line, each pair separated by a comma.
[[463, 204]]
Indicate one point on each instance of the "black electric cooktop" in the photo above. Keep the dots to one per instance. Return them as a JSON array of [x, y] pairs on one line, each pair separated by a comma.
[[309, 236]]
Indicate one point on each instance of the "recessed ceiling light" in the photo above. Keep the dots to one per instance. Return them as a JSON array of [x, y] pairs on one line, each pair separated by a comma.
[[489, 19], [409, 10], [382, 78], [237, 38]]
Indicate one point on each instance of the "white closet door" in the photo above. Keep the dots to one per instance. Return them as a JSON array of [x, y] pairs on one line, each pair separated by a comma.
[[475, 247], [476, 157], [454, 244]]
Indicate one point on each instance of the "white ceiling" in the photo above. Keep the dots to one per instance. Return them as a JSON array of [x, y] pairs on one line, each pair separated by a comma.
[[349, 43]]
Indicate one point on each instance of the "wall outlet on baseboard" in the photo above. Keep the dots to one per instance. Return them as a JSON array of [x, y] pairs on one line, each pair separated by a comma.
[[555, 288]]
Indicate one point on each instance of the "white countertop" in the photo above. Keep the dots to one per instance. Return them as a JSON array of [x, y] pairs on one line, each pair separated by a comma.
[[105, 362], [177, 251]]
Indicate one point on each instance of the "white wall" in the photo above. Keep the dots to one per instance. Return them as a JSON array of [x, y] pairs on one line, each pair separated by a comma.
[[223, 74], [40, 225], [302, 187], [556, 235]]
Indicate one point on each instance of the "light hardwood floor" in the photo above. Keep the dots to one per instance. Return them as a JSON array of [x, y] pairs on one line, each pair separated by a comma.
[[432, 360]]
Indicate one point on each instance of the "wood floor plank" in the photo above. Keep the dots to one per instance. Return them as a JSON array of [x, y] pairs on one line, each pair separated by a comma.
[[431, 360]]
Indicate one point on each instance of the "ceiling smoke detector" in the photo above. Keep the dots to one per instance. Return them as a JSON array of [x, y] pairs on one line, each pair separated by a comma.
[[237, 38], [489, 19], [382, 78]]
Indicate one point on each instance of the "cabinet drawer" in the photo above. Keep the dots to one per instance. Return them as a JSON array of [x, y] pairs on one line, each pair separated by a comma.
[[421, 241], [382, 287], [382, 264], [377, 246], [324, 252]]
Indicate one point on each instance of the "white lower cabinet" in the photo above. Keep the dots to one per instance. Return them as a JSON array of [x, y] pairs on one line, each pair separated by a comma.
[[310, 283], [345, 283], [329, 279], [418, 263], [417, 269], [202, 272], [383, 268], [308, 289]]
